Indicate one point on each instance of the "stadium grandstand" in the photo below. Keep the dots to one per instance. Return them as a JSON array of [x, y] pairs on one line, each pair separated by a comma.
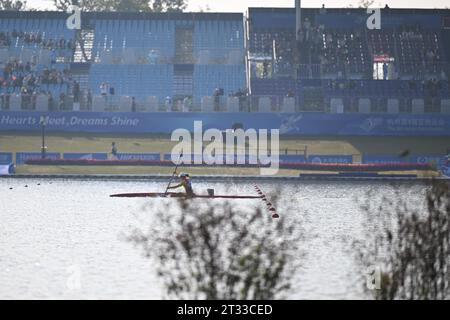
[[120, 61], [210, 62]]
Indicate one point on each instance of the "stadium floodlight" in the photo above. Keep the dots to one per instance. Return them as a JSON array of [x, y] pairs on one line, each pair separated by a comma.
[[298, 18]]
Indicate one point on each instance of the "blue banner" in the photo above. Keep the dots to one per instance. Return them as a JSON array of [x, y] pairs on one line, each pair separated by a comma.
[[431, 159], [292, 158], [289, 124], [227, 158], [438, 160], [330, 159], [6, 157], [384, 159], [88, 156], [21, 157], [138, 156]]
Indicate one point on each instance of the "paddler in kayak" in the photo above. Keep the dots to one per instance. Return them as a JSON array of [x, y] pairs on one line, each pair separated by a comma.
[[185, 181]]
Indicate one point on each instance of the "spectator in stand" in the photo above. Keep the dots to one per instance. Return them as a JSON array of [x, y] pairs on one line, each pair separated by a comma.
[[133, 104], [218, 92], [62, 101], [430, 55], [76, 92], [186, 104], [51, 102], [265, 69], [5, 101], [152, 57], [89, 99], [114, 151], [53, 57], [111, 91], [307, 26], [104, 91], [34, 100], [385, 71], [394, 72], [168, 103]]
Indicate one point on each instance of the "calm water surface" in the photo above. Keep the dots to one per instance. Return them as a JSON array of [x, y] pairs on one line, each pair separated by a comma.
[[61, 230]]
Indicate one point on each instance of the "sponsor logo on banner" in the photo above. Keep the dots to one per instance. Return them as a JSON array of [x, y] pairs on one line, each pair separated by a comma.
[[85, 156], [292, 158], [139, 156], [438, 160], [330, 159], [21, 157], [5, 157], [374, 159], [370, 124]]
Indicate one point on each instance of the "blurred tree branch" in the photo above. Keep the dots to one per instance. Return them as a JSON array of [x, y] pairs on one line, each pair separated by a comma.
[[13, 5], [211, 252], [123, 5], [411, 247]]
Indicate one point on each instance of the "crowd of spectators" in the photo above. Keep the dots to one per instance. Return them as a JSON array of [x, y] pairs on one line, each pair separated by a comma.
[[411, 32], [419, 50], [345, 52], [431, 88], [310, 42], [5, 39], [28, 76], [30, 80], [314, 45], [24, 78], [34, 38]]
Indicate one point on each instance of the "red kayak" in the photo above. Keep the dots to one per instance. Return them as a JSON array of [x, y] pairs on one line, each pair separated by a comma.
[[260, 195], [180, 195]]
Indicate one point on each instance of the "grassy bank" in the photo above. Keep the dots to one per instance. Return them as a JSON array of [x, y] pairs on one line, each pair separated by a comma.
[[33, 169], [144, 170], [13, 142], [89, 143]]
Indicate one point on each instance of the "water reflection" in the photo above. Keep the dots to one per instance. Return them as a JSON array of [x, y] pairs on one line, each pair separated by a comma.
[[62, 239]]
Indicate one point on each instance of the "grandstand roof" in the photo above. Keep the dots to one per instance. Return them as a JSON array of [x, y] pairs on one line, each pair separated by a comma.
[[125, 15], [445, 12], [348, 17]]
